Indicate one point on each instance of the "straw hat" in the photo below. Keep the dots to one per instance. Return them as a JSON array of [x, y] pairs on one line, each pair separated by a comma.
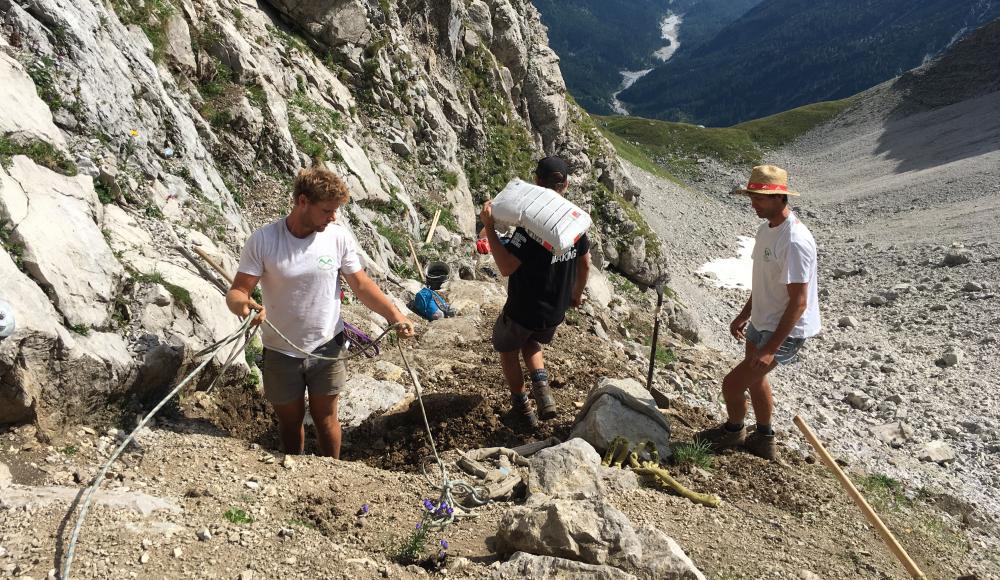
[[767, 179]]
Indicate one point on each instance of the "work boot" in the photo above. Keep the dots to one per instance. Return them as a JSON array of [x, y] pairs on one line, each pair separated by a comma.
[[719, 438], [762, 445], [522, 417], [544, 399]]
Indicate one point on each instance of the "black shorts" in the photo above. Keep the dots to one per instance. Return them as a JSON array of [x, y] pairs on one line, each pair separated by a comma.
[[509, 336]]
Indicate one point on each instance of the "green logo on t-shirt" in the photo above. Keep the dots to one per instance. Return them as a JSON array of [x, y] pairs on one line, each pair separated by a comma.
[[325, 263]]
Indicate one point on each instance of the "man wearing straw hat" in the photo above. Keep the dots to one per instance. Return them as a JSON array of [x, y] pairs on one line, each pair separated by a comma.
[[781, 313], [299, 261]]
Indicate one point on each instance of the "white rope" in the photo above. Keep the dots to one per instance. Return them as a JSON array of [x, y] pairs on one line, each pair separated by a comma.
[[89, 495]]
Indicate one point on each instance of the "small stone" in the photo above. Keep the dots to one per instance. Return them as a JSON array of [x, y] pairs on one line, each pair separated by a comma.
[[877, 301], [204, 535], [144, 558], [288, 463], [859, 400], [246, 575], [956, 257], [939, 307], [290, 561], [253, 485], [178, 552], [147, 544], [807, 575], [972, 287], [950, 359], [848, 322], [937, 452]]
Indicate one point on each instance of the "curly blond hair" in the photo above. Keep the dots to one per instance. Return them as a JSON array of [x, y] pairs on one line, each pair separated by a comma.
[[320, 184]]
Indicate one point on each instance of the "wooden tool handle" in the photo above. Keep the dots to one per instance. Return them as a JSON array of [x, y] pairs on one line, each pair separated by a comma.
[[866, 509], [212, 263]]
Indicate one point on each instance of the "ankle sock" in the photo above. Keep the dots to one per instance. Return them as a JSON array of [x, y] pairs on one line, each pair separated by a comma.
[[519, 398], [539, 376], [765, 429], [734, 427]]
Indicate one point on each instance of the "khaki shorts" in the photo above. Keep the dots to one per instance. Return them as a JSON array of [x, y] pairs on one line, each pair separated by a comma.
[[509, 336], [287, 377]]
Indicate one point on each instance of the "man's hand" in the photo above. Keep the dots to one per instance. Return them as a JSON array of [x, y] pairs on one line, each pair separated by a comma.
[[738, 327], [405, 328], [763, 359], [486, 216], [251, 305]]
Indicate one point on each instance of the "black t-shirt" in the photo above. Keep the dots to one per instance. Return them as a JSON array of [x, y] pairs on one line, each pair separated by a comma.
[[541, 289]]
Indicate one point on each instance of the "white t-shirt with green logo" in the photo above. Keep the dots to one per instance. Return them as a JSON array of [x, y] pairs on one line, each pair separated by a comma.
[[784, 255], [301, 283]]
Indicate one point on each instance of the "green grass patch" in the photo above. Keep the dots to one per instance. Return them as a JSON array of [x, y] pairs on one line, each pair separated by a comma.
[[676, 147], [314, 127], [449, 178], [301, 523], [149, 15], [70, 450], [883, 492], [695, 454], [602, 198], [14, 249], [40, 152], [665, 356], [42, 74], [218, 91], [181, 296], [509, 150], [428, 207], [237, 516], [396, 239], [393, 208], [81, 329]]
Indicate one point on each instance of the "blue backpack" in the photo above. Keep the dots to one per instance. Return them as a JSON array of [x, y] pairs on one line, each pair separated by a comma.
[[428, 302]]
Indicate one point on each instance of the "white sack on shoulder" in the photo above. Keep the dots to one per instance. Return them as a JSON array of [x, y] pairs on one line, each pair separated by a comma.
[[555, 221]]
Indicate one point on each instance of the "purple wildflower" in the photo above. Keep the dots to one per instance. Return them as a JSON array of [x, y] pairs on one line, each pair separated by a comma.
[[363, 511], [444, 544], [428, 505], [419, 525]]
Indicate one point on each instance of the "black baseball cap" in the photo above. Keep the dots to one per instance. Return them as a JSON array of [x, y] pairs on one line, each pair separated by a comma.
[[549, 167]]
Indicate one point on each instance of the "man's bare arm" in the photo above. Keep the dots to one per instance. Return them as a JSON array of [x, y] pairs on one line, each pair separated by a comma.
[[582, 274], [797, 301], [238, 298], [506, 262]]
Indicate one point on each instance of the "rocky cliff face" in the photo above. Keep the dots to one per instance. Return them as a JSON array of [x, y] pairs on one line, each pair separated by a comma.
[[133, 128]]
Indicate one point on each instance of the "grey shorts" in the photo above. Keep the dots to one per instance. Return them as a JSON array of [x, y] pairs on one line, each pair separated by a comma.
[[788, 351], [287, 377], [510, 336]]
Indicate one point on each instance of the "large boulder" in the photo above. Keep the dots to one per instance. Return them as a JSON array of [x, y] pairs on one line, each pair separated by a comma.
[[24, 114], [589, 530], [364, 396], [622, 408], [533, 567], [58, 221], [568, 470], [334, 23]]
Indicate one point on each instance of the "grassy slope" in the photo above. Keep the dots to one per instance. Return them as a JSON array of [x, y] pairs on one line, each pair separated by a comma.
[[673, 149]]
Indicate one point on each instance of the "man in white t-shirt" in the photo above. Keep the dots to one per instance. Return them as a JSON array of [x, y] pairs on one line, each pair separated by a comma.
[[782, 312], [298, 261]]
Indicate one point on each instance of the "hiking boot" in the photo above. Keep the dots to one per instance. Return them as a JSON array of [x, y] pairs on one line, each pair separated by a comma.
[[544, 399], [522, 417], [762, 445], [721, 438]]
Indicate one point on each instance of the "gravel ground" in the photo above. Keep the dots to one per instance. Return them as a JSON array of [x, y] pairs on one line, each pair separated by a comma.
[[905, 213]]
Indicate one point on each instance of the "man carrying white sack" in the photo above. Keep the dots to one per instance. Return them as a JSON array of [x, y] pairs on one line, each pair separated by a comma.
[[541, 287]]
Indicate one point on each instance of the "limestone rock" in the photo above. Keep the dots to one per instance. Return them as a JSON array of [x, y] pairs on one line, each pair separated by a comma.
[[663, 558], [894, 434], [532, 567], [72, 259], [599, 288], [610, 416], [590, 531], [956, 257], [333, 23], [24, 115], [568, 470], [364, 396], [937, 452], [848, 322], [950, 358]]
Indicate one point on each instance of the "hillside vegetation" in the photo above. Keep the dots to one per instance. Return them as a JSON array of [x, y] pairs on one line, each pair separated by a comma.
[[673, 149], [786, 53]]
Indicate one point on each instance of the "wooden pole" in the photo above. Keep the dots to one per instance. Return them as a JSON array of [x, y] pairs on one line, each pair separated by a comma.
[[434, 223], [212, 263], [416, 262], [887, 537]]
